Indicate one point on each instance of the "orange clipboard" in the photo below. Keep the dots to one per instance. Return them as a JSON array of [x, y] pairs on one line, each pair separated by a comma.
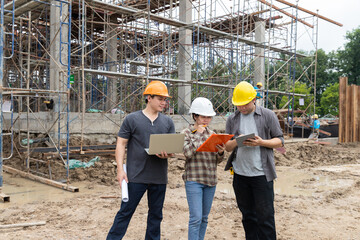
[[210, 144]]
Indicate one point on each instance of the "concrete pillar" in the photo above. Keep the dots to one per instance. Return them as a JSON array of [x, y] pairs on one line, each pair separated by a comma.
[[2, 36], [185, 49], [111, 59], [259, 73], [135, 99], [1, 96], [58, 72]]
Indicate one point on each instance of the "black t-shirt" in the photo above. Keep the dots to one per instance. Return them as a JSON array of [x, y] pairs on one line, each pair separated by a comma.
[[141, 167]]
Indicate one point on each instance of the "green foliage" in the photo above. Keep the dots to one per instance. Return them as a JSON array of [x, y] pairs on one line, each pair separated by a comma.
[[213, 71], [328, 70], [329, 103], [349, 58], [299, 88]]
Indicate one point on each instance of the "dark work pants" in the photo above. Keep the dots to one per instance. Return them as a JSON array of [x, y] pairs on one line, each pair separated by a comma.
[[255, 199], [156, 197]]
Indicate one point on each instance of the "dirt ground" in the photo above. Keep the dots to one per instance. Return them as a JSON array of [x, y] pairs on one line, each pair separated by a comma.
[[316, 197]]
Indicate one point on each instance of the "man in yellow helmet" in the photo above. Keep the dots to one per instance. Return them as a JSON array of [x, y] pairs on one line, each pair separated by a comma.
[[253, 164], [143, 172], [258, 93], [316, 126]]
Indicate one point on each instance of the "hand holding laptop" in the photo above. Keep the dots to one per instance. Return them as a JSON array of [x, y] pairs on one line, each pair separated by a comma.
[[164, 145], [165, 155]]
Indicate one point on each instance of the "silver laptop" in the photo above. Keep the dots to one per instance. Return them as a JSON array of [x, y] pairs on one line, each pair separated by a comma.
[[169, 143]]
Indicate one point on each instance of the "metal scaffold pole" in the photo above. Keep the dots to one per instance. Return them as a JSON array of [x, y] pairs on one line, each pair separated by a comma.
[[3, 196]]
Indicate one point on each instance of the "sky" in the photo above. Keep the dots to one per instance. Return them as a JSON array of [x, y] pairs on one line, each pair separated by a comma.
[[331, 37]]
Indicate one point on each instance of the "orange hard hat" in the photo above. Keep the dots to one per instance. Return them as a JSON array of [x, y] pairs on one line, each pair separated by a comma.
[[156, 88]]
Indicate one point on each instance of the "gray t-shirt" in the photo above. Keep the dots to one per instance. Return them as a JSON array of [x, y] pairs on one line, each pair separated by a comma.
[[248, 159], [268, 128], [141, 167]]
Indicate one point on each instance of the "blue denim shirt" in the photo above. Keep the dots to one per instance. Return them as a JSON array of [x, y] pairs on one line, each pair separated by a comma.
[[268, 127]]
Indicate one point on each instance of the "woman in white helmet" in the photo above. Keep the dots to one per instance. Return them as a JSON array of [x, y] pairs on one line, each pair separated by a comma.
[[200, 168]]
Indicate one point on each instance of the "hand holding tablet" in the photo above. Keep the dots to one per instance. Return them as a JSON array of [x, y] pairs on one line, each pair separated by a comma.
[[240, 139]]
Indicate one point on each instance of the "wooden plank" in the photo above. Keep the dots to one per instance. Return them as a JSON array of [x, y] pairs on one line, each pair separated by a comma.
[[22, 225], [358, 113], [310, 12], [286, 13], [41, 179], [354, 113], [322, 143], [78, 153], [105, 197], [342, 108], [71, 148], [351, 114], [308, 126], [348, 114]]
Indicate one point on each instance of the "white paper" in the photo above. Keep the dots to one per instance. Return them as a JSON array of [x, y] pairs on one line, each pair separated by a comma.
[[124, 188], [301, 102], [6, 107]]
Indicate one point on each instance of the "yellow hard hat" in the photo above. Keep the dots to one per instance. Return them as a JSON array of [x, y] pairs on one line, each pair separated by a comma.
[[315, 116], [243, 93], [259, 84], [156, 88]]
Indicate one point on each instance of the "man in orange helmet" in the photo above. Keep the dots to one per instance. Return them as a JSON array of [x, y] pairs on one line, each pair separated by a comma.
[[143, 172], [253, 164]]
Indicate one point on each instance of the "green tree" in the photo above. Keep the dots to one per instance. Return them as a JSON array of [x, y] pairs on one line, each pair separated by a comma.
[[334, 70], [324, 72], [330, 100], [299, 88], [323, 78], [349, 58]]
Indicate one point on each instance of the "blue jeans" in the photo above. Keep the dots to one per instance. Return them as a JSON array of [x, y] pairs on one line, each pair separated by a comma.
[[255, 199], [200, 198], [156, 197]]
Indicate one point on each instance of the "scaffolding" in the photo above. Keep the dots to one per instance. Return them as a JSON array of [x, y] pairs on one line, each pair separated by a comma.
[[62, 61]]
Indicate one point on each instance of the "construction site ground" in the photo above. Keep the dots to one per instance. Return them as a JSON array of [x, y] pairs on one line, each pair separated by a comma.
[[317, 196]]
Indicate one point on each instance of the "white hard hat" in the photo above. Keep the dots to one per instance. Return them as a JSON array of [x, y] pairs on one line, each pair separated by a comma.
[[202, 106]]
